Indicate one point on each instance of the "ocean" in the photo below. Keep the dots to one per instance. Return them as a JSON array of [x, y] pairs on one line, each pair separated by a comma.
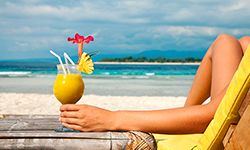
[[28, 69], [107, 79]]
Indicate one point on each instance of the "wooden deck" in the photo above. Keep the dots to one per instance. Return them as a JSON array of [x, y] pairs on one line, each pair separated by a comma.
[[238, 135], [37, 132]]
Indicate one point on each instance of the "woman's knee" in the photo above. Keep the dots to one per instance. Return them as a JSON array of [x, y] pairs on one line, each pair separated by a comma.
[[223, 41], [225, 38], [244, 42]]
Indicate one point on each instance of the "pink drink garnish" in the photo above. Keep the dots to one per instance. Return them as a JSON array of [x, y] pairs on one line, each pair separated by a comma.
[[80, 40]]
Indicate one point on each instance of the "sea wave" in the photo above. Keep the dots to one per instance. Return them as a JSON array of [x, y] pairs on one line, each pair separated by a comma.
[[12, 70], [149, 73], [15, 74], [44, 75], [105, 73], [133, 77]]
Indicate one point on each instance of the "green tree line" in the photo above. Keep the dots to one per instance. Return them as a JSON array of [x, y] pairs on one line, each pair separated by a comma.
[[144, 59]]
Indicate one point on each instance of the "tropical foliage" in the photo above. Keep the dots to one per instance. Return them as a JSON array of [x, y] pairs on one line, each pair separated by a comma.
[[144, 59]]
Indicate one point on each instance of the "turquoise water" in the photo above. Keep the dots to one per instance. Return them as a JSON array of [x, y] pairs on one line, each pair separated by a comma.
[[107, 79], [25, 69]]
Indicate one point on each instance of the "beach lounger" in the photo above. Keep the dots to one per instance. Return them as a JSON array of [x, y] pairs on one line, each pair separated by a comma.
[[226, 114]]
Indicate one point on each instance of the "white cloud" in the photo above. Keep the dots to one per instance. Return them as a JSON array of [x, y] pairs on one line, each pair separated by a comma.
[[186, 30], [122, 12], [198, 31], [123, 25], [238, 5], [22, 44], [21, 30]]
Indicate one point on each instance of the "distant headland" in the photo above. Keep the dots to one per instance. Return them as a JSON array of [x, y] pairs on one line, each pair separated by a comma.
[[131, 59]]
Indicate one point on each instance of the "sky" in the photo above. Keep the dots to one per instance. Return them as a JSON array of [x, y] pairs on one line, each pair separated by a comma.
[[30, 28]]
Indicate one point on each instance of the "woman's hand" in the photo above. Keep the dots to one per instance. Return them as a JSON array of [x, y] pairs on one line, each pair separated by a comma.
[[86, 118]]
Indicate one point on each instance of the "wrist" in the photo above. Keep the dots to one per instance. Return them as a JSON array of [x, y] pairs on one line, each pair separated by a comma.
[[115, 121]]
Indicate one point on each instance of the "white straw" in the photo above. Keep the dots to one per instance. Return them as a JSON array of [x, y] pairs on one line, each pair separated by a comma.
[[67, 64], [59, 58], [67, 56]]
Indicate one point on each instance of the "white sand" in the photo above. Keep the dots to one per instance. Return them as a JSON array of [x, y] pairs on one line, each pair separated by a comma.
[[13, 103]]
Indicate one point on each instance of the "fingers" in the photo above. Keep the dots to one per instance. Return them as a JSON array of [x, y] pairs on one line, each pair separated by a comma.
[[73, 126], [69, 107], [70, 120], [69, 114], [73, 123]]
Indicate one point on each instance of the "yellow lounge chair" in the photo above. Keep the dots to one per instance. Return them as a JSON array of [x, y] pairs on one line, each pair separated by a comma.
[[226, 114]]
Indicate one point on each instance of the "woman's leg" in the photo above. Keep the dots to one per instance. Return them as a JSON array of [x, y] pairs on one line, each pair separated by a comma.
[[202, 79], [226, 56], [216, 69], [244, 42]]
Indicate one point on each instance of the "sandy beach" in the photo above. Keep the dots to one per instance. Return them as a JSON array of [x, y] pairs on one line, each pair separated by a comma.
[[114, 87], [166, 86], [24, 103]]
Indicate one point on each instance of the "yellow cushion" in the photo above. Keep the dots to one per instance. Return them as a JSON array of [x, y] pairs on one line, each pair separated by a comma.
[[226, 114], [176, 142]]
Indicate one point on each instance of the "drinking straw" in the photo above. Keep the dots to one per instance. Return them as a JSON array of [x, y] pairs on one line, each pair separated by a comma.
[[67, 64], [67, 56], [59, 58]]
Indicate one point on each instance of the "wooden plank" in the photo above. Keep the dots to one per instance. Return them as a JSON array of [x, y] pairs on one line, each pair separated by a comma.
[[43, 125], [228, 140], [240, 138], [28, 124], [11, 116], [53, 134], [69, 140], [229, 146], [119, 140], [244, 104], [59, 143], [37, 132], [23, 126], [233, 144], [242, 131], [228, 135], [118, 135]]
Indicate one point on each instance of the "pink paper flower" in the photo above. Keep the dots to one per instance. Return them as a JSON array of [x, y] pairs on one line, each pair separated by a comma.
[[80, 39]]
